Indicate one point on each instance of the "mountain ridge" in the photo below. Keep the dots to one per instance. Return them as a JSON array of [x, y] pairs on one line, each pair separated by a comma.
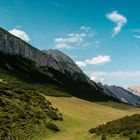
[[58, 67]]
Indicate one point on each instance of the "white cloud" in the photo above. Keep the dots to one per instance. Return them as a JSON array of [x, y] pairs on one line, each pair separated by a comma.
[[118, 19], [21, 34], [96, 79], [80, 63], [99, 60], [80, 38], [137, 36], [73, 39], [85, 28], [101, 75]]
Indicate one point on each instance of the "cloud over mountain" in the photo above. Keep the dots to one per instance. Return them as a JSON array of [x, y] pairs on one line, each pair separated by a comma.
[[21, 34]]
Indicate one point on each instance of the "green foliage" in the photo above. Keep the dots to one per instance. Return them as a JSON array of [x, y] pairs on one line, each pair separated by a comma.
[[103, 137], [134, 137], [52, 127], [127, 126], [24, 111]]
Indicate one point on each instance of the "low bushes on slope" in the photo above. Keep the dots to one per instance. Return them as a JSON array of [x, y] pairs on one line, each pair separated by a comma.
[[24, 112], [128, 126]]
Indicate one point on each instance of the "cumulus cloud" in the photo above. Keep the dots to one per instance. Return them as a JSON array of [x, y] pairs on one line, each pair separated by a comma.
[[99, 60], [83, 37], [80, 63], [118, 19], [21, 34]]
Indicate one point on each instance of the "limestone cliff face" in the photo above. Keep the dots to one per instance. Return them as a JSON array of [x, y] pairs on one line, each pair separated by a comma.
[[9, 44]]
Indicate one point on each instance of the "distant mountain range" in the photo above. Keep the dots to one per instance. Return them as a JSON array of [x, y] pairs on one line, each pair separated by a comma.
[[53, 66]]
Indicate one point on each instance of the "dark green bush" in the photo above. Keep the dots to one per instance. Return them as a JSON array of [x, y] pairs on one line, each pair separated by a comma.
[[127, 132], [134, 137], [52, 127], [104, 137], [125, 126]]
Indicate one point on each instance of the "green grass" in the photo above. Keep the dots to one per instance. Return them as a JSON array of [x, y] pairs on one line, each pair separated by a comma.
[[80, 116]]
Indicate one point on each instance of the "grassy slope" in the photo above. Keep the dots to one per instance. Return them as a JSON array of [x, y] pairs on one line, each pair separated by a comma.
[[23, 110], [80, 116]]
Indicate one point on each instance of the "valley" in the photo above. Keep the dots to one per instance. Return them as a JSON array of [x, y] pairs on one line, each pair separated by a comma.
[[80, 116], [44, 95]]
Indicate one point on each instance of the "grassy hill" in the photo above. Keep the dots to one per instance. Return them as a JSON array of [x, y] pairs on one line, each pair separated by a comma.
[[27, 114], [80, 116], [24, 111]]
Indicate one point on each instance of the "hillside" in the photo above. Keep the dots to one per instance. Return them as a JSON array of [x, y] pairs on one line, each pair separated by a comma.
[[128, 126], [80, 115], [24, 111]]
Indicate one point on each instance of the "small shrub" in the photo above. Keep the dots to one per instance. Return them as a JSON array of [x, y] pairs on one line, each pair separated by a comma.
[[134, 137], [103, 137], [127, 133], [92, 130], [52, 127], [138, 131]]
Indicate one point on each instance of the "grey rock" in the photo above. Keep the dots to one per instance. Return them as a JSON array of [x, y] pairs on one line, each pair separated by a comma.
[[121, 94], [10, 44]]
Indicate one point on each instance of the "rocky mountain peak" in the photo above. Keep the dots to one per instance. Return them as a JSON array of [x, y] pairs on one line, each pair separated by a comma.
[[10, 44], [63, 61]]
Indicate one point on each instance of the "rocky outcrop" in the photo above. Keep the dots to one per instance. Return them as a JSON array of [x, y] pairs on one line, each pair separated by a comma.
[[9, 44]]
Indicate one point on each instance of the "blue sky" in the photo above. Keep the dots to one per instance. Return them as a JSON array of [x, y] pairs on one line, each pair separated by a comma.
[[101, 36]]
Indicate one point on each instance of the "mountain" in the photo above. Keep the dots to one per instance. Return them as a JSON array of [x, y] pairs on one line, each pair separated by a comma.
[[135, 90], [48, 67], [122, 94], [55, 68]]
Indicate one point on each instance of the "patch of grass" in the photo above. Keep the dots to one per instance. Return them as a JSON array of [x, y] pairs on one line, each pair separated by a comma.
[[80, 116]]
